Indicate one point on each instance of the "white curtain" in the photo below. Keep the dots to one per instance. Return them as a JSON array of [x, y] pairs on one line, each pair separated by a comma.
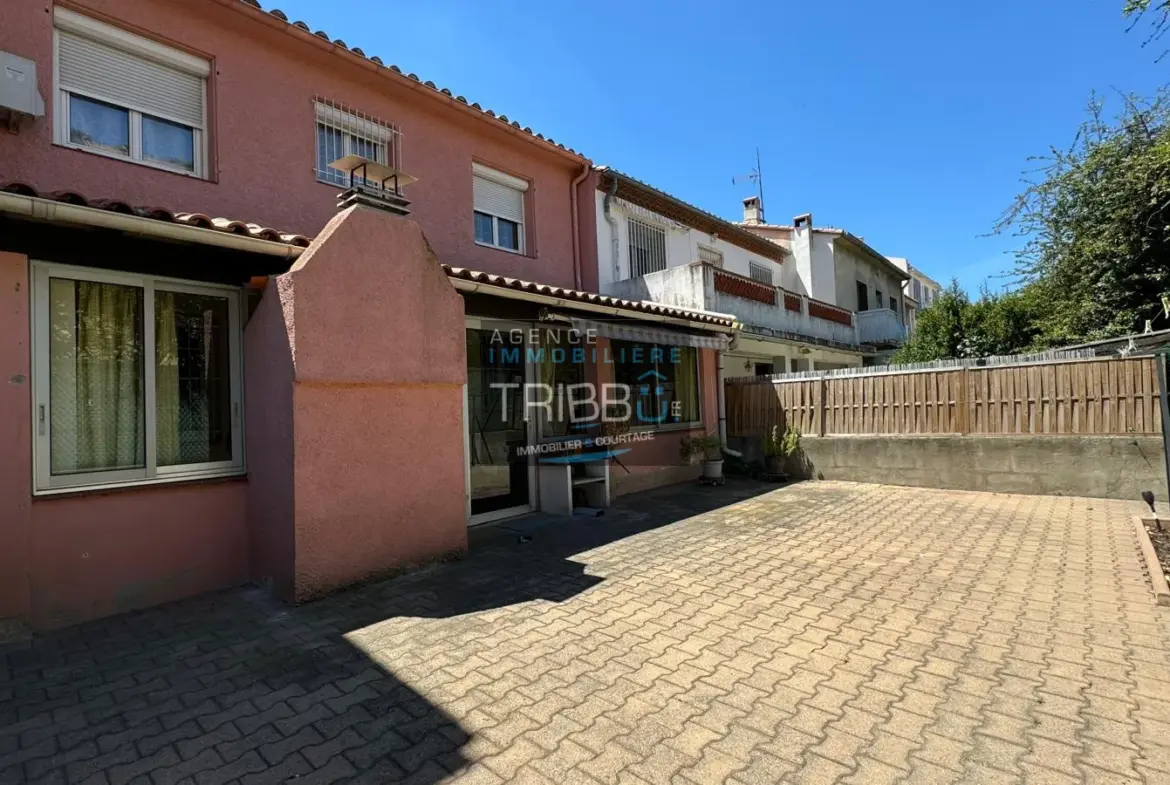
[[96, 377], [166, 380]]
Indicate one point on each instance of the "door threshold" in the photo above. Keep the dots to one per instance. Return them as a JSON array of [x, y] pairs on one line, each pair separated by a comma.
[[498, 515]]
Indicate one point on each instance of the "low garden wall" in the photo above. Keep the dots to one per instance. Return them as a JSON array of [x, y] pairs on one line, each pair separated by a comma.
[[1118, 467]]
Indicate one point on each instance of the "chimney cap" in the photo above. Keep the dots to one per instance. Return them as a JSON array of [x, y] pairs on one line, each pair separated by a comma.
[[804, 219], [751, 201]]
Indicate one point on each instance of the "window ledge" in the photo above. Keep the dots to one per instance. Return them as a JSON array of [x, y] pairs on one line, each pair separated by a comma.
[[500, 248], [127, 160], [137, 485]]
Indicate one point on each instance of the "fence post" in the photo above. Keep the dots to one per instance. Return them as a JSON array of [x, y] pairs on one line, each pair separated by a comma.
[[821, 406], [965, 403]]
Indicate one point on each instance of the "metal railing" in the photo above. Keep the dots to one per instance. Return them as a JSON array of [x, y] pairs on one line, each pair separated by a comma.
[[342, 130]]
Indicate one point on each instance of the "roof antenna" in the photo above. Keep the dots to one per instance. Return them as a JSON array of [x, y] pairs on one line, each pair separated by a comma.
[[755, 176]]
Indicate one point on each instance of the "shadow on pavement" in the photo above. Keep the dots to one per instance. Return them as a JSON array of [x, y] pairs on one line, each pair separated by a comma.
[[238, 686]]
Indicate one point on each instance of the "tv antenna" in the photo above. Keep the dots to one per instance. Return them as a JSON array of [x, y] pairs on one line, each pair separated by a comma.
[[756, 176]]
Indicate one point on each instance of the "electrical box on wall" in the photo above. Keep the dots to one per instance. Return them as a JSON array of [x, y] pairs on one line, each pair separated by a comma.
[[19, 97]]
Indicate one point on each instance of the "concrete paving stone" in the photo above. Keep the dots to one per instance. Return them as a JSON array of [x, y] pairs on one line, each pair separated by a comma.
[[819, 632]]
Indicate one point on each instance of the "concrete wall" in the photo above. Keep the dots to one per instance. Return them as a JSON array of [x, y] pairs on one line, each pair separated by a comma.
[[262, 138], [1118, 467]]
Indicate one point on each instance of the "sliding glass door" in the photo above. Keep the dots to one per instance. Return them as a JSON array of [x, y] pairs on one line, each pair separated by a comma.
[[497, 432]]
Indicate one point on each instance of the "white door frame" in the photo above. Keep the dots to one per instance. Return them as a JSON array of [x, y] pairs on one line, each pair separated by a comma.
[[476, 323]]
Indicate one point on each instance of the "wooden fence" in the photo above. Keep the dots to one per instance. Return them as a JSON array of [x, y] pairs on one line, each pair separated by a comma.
[[1106, 396]]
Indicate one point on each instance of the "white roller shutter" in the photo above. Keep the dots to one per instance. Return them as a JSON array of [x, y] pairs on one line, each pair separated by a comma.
[[128, 80], [499, 199]]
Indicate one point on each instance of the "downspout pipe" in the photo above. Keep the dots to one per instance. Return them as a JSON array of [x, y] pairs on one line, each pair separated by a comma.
[[613, 229], [576, 225], [720, 394]]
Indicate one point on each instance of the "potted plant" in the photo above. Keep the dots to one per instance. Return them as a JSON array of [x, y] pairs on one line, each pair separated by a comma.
[[778, 447], [708, 449]]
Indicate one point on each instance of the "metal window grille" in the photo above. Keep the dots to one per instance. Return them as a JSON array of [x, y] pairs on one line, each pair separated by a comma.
[[344, 131], [710, 256], [647, 248], [758, 272]]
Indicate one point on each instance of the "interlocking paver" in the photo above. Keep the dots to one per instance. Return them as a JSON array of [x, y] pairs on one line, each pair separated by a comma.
[[821, 632]]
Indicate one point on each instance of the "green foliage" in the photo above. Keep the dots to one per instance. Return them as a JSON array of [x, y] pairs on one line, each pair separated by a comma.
[[693, 448], [1096, 257], [791, 443], [777, 444]]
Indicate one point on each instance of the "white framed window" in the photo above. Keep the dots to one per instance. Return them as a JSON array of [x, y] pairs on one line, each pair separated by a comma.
[[135, 379], [760, 272], [499, 208], [647, 244], [342, 131], [710, 256], [128, 97]]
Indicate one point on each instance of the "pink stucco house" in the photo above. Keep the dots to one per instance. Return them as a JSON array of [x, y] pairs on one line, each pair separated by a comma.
[[210, 374]]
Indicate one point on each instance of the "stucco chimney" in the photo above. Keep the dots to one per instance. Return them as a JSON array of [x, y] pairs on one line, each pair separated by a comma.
[[753, 211]]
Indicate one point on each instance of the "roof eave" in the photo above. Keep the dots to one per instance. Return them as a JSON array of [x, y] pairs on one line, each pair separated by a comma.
[[748, 240], [499, 122]]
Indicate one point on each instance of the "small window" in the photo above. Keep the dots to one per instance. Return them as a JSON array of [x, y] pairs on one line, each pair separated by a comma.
[[135, 379], [862, 297], [342, 131], [128, 97], [647, 247], [499, 208], [760, 272], [710, 256], [877, 298]]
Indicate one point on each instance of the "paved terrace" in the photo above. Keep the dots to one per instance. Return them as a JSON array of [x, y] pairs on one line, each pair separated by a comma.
[[822, 632]]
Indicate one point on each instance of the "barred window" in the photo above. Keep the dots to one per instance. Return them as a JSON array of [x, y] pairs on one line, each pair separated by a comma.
[[761, 273], [647, 247]]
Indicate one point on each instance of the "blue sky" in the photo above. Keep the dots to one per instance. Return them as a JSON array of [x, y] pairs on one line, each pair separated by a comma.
[[909, 123]]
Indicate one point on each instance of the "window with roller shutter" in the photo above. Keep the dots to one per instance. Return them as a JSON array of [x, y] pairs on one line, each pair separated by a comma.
[[121, 95], [499, 208]]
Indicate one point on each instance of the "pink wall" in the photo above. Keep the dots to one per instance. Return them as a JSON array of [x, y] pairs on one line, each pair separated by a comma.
[[94, 555], [15, 435], [268, 438], [377, 338], [261, 100], [67, 559]]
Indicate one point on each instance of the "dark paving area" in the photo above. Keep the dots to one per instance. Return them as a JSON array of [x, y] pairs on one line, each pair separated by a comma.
[[821, 632]]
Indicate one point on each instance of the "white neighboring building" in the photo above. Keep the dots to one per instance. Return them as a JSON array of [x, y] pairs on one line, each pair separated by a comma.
[[919, 291], [840, 268], [652, 246]]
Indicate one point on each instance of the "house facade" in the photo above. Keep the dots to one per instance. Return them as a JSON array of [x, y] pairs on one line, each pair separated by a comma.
[[215, 373], [840, 268], [918, 292]]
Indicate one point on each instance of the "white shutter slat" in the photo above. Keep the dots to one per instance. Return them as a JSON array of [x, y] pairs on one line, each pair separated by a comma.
[[128, 80], [499, 200]]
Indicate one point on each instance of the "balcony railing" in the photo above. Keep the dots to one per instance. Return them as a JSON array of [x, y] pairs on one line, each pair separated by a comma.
[[880, 327], [764, 310]]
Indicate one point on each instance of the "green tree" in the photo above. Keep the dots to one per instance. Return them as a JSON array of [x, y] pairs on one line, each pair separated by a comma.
[[1096, 219], [1156, 12], [938, 331]]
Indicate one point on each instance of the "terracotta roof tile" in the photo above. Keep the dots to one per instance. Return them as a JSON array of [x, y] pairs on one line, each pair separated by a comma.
[[656, 200], [276, 13], [575, 295], [231, 226], [200, 220]]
